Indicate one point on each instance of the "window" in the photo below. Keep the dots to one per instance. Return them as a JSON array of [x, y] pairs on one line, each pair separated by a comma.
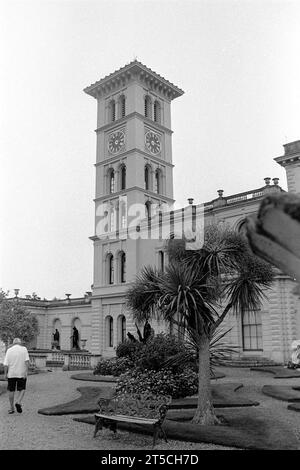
[[157, 112], [252, 331], [123, 267], [148, 210], [122, 103], [158, 181], [122, 215], [123, 177], [161, 261], [112, 111], [147, 177], [242, 229], [109, 326], [112, 226], [121, 327], [148, 107], [110, 268], [112, 181]]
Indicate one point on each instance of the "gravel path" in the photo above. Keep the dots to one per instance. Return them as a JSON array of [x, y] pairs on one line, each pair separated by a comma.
[[31, 430]]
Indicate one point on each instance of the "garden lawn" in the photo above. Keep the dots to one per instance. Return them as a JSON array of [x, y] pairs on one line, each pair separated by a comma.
[[224, 395], [279, 372], [282, 392], [245, 428]]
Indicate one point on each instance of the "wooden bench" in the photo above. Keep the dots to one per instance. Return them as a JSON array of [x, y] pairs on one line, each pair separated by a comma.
[[136, 408]]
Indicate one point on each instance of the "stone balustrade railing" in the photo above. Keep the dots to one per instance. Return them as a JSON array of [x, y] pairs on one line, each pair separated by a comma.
[[67, 360]]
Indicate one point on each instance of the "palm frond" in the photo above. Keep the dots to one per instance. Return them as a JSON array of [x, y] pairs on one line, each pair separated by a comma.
[[143, 295], [220, 352]]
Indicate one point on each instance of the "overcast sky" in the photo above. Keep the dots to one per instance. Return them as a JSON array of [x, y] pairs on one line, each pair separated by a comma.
[[237, 61]]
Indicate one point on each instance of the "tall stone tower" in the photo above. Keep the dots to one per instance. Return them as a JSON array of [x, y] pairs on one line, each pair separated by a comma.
[[133, 177], [291, 162]]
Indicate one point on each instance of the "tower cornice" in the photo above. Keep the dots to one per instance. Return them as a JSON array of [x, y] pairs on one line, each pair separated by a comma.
[[134, 150], [149, 193], [147, 121], [134, 71]]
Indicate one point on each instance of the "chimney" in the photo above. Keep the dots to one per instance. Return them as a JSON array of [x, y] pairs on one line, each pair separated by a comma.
[[267, 181], [190, 200], [68, 298], [220, 192], [16, 292], [275, 181]]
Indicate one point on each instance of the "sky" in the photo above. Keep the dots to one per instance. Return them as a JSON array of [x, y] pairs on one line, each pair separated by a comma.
[[237, 61]]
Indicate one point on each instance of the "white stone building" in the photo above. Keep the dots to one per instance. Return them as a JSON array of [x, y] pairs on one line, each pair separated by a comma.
[[134, 172]]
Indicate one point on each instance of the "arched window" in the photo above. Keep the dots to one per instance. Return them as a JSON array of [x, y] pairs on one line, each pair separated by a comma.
[[147, 177], [112, 111], [122, 105], [157, 112], [110, 269], [158, 181], [147, 103], [161, 260], [112, 181], [112, 224], [148, 210], [122, 215], [123, 177], [109, 327], [123, 267], [121, 326], [242, 228]]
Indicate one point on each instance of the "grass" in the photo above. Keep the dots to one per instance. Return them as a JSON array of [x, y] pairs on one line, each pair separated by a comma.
[[246, 428], [223, 396]]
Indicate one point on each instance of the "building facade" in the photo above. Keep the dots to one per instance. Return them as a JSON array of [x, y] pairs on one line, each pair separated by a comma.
[[134, 216]]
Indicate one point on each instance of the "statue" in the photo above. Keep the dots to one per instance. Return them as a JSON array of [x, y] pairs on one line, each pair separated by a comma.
[[75, 338], [55, 343]]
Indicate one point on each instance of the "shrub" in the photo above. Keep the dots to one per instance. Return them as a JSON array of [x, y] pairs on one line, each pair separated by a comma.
[[162, 382], [129, 349], [157, 350], [113, 366]]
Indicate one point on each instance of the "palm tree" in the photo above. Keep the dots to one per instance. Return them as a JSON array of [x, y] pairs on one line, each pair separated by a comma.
[[196, 292]]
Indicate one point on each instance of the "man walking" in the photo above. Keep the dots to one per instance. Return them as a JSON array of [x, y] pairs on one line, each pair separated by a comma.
[[16, 365]]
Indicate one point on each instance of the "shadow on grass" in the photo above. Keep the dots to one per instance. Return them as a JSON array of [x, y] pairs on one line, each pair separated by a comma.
[[245, 428], [278, 371], [90, 377], [282, 392], [224, 395]]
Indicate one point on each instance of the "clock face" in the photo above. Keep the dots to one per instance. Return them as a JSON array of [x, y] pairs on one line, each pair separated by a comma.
[[152, 141], [116, 141]]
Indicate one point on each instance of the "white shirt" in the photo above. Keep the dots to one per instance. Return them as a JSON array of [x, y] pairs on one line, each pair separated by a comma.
[[15, 358]]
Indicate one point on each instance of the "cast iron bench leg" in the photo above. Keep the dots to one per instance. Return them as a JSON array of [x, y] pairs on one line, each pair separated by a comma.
[[113, 427], [164, 434], [98, 425], [155, 433]]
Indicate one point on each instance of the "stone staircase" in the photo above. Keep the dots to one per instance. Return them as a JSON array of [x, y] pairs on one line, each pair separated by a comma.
[[251, 361]]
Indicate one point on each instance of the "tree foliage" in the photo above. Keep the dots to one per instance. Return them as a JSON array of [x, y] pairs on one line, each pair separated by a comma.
[[197, 291], [16, 321]]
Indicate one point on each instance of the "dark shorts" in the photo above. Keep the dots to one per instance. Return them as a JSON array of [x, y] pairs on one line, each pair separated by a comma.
[[16, 382]]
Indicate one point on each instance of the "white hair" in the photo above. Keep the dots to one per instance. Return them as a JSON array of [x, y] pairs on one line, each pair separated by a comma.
[[17, 341]]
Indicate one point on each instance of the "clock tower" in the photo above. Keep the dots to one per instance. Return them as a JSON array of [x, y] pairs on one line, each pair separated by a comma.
[[133, 179]]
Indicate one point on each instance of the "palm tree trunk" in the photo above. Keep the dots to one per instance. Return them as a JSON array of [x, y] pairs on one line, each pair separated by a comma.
[[205, 412]]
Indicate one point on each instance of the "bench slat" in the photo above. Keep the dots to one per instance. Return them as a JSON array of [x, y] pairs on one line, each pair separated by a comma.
[[128, 419]]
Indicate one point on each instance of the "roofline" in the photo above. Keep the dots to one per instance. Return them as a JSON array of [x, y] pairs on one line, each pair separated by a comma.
[[125, 71]]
